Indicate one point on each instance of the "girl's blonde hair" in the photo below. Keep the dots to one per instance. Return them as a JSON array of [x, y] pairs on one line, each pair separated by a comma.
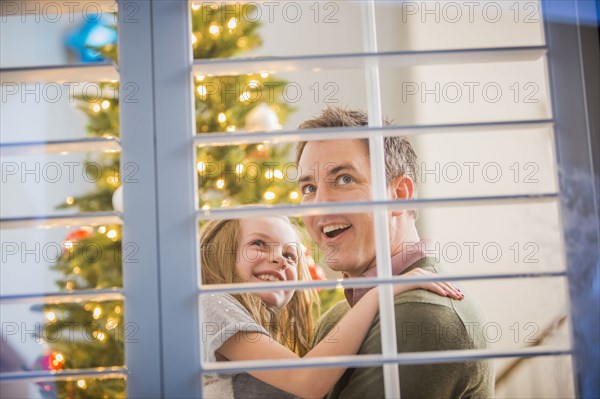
[[291, 325]]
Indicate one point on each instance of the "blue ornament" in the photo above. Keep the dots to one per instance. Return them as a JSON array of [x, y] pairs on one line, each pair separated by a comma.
[[93, 32]]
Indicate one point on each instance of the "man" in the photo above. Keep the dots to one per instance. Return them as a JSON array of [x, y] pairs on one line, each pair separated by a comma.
[[339, 170]]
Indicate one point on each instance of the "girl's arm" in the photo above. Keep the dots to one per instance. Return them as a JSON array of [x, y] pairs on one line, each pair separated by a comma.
[[344, 340]]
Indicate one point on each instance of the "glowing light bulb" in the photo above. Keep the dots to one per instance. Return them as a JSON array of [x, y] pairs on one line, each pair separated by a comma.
[[96, 108], [102, 229], [268, 175], [97, 312], [118, 309], [264, 75], [81, 384], [294, 195], [201, 90], [70, 200], [278, 174], [200, 78], [105, 104], [51, 316], [100, 336], [220, 184], [245, 96], [76, 270], [59, 357], [253, 84], [222, 117], [239, 169], [194, 39], [68, 244], [232, 23], [69, 285], [231, 128], [270, 195], [201, 167], [195, 6], [112, 234], [205, 207]]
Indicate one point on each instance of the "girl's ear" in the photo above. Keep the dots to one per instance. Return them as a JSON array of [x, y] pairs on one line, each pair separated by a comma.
[[401, 188]]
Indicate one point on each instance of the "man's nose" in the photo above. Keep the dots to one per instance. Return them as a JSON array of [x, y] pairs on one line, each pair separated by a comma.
[[324, 194]]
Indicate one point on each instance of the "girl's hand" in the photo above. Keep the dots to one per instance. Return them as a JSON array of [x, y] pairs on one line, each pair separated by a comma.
[[440, 288]]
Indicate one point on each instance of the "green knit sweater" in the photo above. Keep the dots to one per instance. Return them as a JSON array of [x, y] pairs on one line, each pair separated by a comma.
[[424, 322]]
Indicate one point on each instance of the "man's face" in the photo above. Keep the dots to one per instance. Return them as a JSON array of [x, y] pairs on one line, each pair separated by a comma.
[[332, 171]]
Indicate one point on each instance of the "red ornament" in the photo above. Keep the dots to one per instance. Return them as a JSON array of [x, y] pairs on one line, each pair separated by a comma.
[[77, 235], [316, 272]]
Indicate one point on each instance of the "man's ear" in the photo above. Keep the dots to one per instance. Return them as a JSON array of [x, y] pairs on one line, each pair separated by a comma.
[[401, 188]]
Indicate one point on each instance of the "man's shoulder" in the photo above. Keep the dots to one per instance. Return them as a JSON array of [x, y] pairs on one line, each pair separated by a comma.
[[329, 320]]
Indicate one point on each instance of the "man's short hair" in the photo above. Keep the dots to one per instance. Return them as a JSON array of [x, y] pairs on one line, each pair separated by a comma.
[[400, 158]]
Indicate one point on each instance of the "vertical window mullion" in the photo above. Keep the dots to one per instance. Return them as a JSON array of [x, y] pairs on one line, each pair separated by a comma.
[[174, 119], [578, 199], [140, 255], [382, 239]]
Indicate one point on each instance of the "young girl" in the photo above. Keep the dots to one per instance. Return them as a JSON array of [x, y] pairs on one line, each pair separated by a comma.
[[274, 325]]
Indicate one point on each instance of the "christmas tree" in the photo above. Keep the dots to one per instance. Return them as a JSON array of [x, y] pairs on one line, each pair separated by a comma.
[[214, 35]]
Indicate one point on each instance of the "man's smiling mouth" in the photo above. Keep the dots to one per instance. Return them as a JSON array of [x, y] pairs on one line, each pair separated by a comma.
[[334, 230]]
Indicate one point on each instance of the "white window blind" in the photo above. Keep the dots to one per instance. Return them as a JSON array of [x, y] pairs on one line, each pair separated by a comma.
[[162, 207]]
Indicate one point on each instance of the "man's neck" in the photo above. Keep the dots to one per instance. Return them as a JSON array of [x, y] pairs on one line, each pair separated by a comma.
[[408, 240]]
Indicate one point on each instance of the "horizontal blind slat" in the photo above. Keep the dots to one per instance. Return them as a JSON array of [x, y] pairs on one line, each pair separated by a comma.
[[52, 221], [315, 63], [65, 297], [368, 282], [100, 372], [333, 208], [100, 144], [90, 72], [412, 358], [357, 133]]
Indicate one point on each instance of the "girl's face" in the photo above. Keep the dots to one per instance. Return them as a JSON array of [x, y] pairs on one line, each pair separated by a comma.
[[268, 251]]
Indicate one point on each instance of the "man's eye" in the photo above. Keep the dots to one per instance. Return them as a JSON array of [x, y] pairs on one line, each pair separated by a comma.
[[344, 179], [309, 188]]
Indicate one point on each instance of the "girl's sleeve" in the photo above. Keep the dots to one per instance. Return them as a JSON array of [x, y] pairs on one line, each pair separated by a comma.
[[222, 316]]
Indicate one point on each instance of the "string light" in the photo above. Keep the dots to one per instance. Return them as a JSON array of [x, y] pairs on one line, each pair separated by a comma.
[[112, 234], [69, 285], [225, 204], [214, 30], [268, 175], [201, 167], [51, 316], [118, 309], [111, 323], [205, 207], [81, 384], [96, 108], [264, 75], [245, 96], [242, 42], [99, 335], [220, 184], [194, 39], [239, 168], [294, 195], [200, 78], [195, 6], [270, 195], [222, 117], [278, 174], [97, 313], [231, 128], [102, 229], [232, 23], [68, 245], [253, 83], [70, 200], [76, 270], [201, 90], [260, 147], [105, 104]]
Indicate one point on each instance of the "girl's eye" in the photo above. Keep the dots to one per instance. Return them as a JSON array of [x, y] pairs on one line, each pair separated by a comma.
[[309, 188], [344, 179], [257, 243], [291, 257]]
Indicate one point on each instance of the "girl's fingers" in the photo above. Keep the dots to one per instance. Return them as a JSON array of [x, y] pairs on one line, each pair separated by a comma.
[[437, 288], [453, 291]]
